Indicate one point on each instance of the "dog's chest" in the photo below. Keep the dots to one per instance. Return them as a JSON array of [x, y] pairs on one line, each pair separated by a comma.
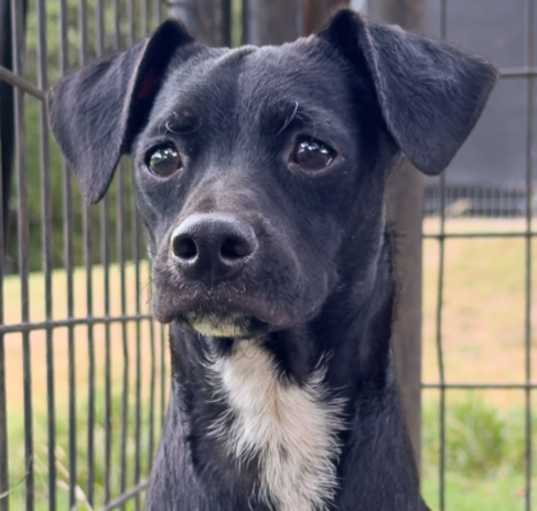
[[291, 430]]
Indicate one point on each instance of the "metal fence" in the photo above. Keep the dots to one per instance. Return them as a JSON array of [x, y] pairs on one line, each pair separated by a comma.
[[444, 233], [477, 202], [83, 367]]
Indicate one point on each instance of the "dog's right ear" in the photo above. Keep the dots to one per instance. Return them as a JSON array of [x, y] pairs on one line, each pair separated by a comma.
[[96, 112]]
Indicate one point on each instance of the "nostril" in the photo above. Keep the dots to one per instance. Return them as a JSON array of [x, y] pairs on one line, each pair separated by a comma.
[[185, 248], [234, 248]]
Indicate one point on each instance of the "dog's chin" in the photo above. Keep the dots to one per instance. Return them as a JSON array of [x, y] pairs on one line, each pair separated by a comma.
[[225, 327]]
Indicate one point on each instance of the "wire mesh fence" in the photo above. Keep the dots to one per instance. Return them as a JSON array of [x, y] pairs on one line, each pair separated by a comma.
[[82, 365], [491, 245]]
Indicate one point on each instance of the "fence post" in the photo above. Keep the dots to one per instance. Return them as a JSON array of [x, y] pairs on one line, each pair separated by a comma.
[[208, 20], [405, 204], [7, 129], [272, 22]]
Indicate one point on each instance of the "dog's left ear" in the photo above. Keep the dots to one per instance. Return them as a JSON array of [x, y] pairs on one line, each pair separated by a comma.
[[96, 112], [430, 94]]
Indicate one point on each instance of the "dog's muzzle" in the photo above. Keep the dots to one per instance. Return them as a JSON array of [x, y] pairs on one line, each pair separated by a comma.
[[212, 247]]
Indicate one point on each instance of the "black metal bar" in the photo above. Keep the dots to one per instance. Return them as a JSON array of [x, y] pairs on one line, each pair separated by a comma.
[[46, 242], [105, 262], [530, 20], [138, 355], [87, 249], [157, 11], [227, 22], [480, 386], [131, 33], [23, 235], [152, 382], [4, 196], [6, 115], [479, 235], [68, 264], [24, 85], [162, 376], [144, 16], [439, 315], [518, 72], [126, 496], [70, 322]]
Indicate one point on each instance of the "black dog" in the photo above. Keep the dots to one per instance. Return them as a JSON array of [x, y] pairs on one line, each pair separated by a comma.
[[260, 176]]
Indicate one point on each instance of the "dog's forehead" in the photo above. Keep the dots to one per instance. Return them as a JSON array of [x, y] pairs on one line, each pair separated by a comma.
[[304, 67], [251, 79]]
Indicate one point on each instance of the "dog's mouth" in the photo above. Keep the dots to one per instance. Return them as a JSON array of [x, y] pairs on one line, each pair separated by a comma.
[[225, 326]]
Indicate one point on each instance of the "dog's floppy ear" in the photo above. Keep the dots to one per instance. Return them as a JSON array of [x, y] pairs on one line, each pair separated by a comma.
[[430, 94], [96, 112]]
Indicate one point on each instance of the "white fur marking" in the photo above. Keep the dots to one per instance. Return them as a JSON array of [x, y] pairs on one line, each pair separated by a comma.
[[293, 429]]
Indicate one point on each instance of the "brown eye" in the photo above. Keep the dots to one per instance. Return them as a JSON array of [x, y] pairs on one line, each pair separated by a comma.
[[312, 154], [164, 160]]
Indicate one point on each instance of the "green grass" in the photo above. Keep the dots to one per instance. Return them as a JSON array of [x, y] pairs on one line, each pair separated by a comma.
[[16, 453], [485, 450]]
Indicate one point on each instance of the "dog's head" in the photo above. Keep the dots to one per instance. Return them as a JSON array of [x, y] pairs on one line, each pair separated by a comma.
[[260, 171]]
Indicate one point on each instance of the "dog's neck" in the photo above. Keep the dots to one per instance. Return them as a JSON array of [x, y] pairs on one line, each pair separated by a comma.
[[267, 423]]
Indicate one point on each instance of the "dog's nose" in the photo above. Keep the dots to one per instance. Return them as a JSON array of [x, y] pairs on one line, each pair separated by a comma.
[[212, 247]]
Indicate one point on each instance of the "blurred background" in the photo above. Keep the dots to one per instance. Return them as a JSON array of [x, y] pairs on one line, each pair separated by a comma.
[[83, 367]]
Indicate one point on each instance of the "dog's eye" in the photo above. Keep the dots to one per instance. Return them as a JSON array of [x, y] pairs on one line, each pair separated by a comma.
[[312, 154], [164, 160]]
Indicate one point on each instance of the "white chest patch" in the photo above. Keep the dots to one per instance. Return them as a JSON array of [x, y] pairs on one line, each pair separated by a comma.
[[292, 429]]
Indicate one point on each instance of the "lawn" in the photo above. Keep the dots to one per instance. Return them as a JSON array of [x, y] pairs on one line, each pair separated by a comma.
[[483, 340]]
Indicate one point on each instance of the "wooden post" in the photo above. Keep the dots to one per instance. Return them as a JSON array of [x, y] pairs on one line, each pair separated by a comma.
[[208, 20], [404, 212], [273, 22]]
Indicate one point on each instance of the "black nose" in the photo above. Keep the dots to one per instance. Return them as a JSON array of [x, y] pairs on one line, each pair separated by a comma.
[[212, 247]]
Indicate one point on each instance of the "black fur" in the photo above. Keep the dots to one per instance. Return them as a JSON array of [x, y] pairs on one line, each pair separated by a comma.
[[320, 283]]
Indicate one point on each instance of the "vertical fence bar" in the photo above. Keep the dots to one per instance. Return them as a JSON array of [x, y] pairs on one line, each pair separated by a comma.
[[86, 228], [4, 453], [152, 381], [4, 208], [46, 220], [68, 263], [144, 16], [23, 235], [439, 312], [125, 338], [124, 333], [157, 11], [105, 261], [162, 376], [530, 19], [227, 22], [138, 383]]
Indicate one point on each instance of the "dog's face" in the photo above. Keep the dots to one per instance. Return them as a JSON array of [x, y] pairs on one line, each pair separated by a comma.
[[260, 171], [248, 174]]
